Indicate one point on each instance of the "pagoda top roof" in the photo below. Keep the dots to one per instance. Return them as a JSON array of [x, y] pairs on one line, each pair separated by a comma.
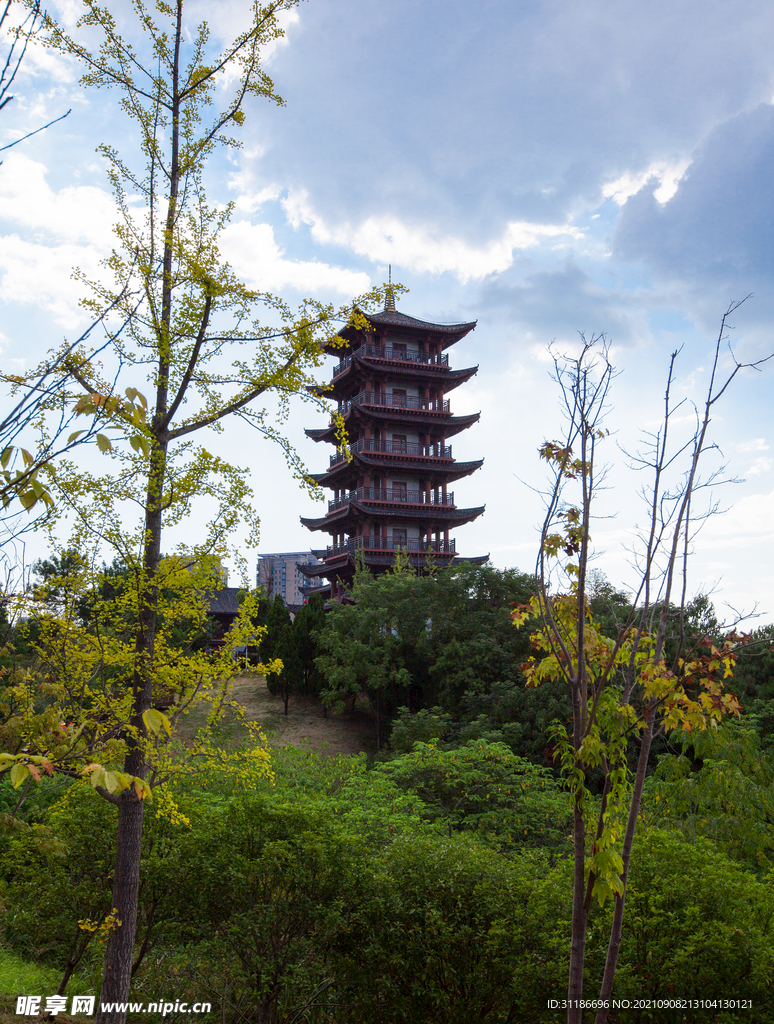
[[392, 318], [395, 319]]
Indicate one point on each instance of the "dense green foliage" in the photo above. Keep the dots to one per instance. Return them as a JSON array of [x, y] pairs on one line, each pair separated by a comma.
[[431, 884], [442, 640], [484, 788], [720, 786], [406, 891], [698, 925], [754, 681]]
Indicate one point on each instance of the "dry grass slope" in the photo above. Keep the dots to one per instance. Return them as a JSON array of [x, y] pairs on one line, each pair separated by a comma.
[[305, 725]]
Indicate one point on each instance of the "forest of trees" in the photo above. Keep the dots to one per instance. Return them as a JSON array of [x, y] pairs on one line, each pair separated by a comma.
[[430, 880]]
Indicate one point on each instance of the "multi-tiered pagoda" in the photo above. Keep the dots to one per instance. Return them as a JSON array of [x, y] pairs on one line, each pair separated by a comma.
[[391, 491]]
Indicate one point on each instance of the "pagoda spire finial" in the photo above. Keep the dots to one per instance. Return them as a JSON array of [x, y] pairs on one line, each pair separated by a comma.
[[389, 298]]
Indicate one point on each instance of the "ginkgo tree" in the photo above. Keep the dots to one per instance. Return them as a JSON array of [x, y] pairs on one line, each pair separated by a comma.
[[203, 347], [654, 676]]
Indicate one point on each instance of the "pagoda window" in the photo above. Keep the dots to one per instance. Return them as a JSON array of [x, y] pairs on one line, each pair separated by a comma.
[[399, 537], [399, 396], [399, 350], [399, 443], [399, 490]]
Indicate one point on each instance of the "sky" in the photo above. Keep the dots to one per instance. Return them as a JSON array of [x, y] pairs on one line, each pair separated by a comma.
[[544, 168]]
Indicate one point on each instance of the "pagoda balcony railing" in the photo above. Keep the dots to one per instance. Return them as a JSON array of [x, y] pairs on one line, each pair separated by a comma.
[[342, 365], [382, 398], [394, 494], [392, 352], [390, 447], [377, 543]]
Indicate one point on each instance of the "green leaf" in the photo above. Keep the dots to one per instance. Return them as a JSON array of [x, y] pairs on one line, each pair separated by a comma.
[[140, 443], [155, 721], [75, 434], [5, 457], [103, 443], [19, 773]]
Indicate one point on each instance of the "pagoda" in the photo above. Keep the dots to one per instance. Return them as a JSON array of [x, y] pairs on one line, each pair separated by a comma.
[[391, 484]]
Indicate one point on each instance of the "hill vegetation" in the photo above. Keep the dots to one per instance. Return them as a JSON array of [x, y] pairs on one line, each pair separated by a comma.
[[430, 881]]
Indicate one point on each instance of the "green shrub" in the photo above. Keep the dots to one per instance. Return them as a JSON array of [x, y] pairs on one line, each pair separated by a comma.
[[697, 925], [451, 932]]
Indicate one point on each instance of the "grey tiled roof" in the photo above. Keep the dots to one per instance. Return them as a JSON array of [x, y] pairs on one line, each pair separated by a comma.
[[396, 319], [225, 601]]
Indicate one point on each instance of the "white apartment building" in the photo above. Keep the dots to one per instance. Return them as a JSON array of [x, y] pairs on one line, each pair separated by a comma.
[[277, 573]]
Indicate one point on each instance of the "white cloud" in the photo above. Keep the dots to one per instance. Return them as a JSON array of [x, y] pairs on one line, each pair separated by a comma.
[[762, 465], [42, 275], [77, 213], [55, 232], [386, 239], [285, 19], [252, 251], [758, 444], [69, 11], [541, 353], [747, 523], [250, 202], [668, 173], [41, 63]]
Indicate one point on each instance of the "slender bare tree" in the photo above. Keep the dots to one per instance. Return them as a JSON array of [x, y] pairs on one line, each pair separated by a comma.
[[653, 676]]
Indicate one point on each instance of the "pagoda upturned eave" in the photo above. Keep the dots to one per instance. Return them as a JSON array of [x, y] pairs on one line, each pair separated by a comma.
[[443, 470], [345, 560], [347, 383], [441, 425], [351, 511]]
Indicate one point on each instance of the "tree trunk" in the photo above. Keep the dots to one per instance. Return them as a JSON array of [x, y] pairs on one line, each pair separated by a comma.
[[151, 920], [578, 926], [578, 935], [76, 955], [614, 946], [119, 954]]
